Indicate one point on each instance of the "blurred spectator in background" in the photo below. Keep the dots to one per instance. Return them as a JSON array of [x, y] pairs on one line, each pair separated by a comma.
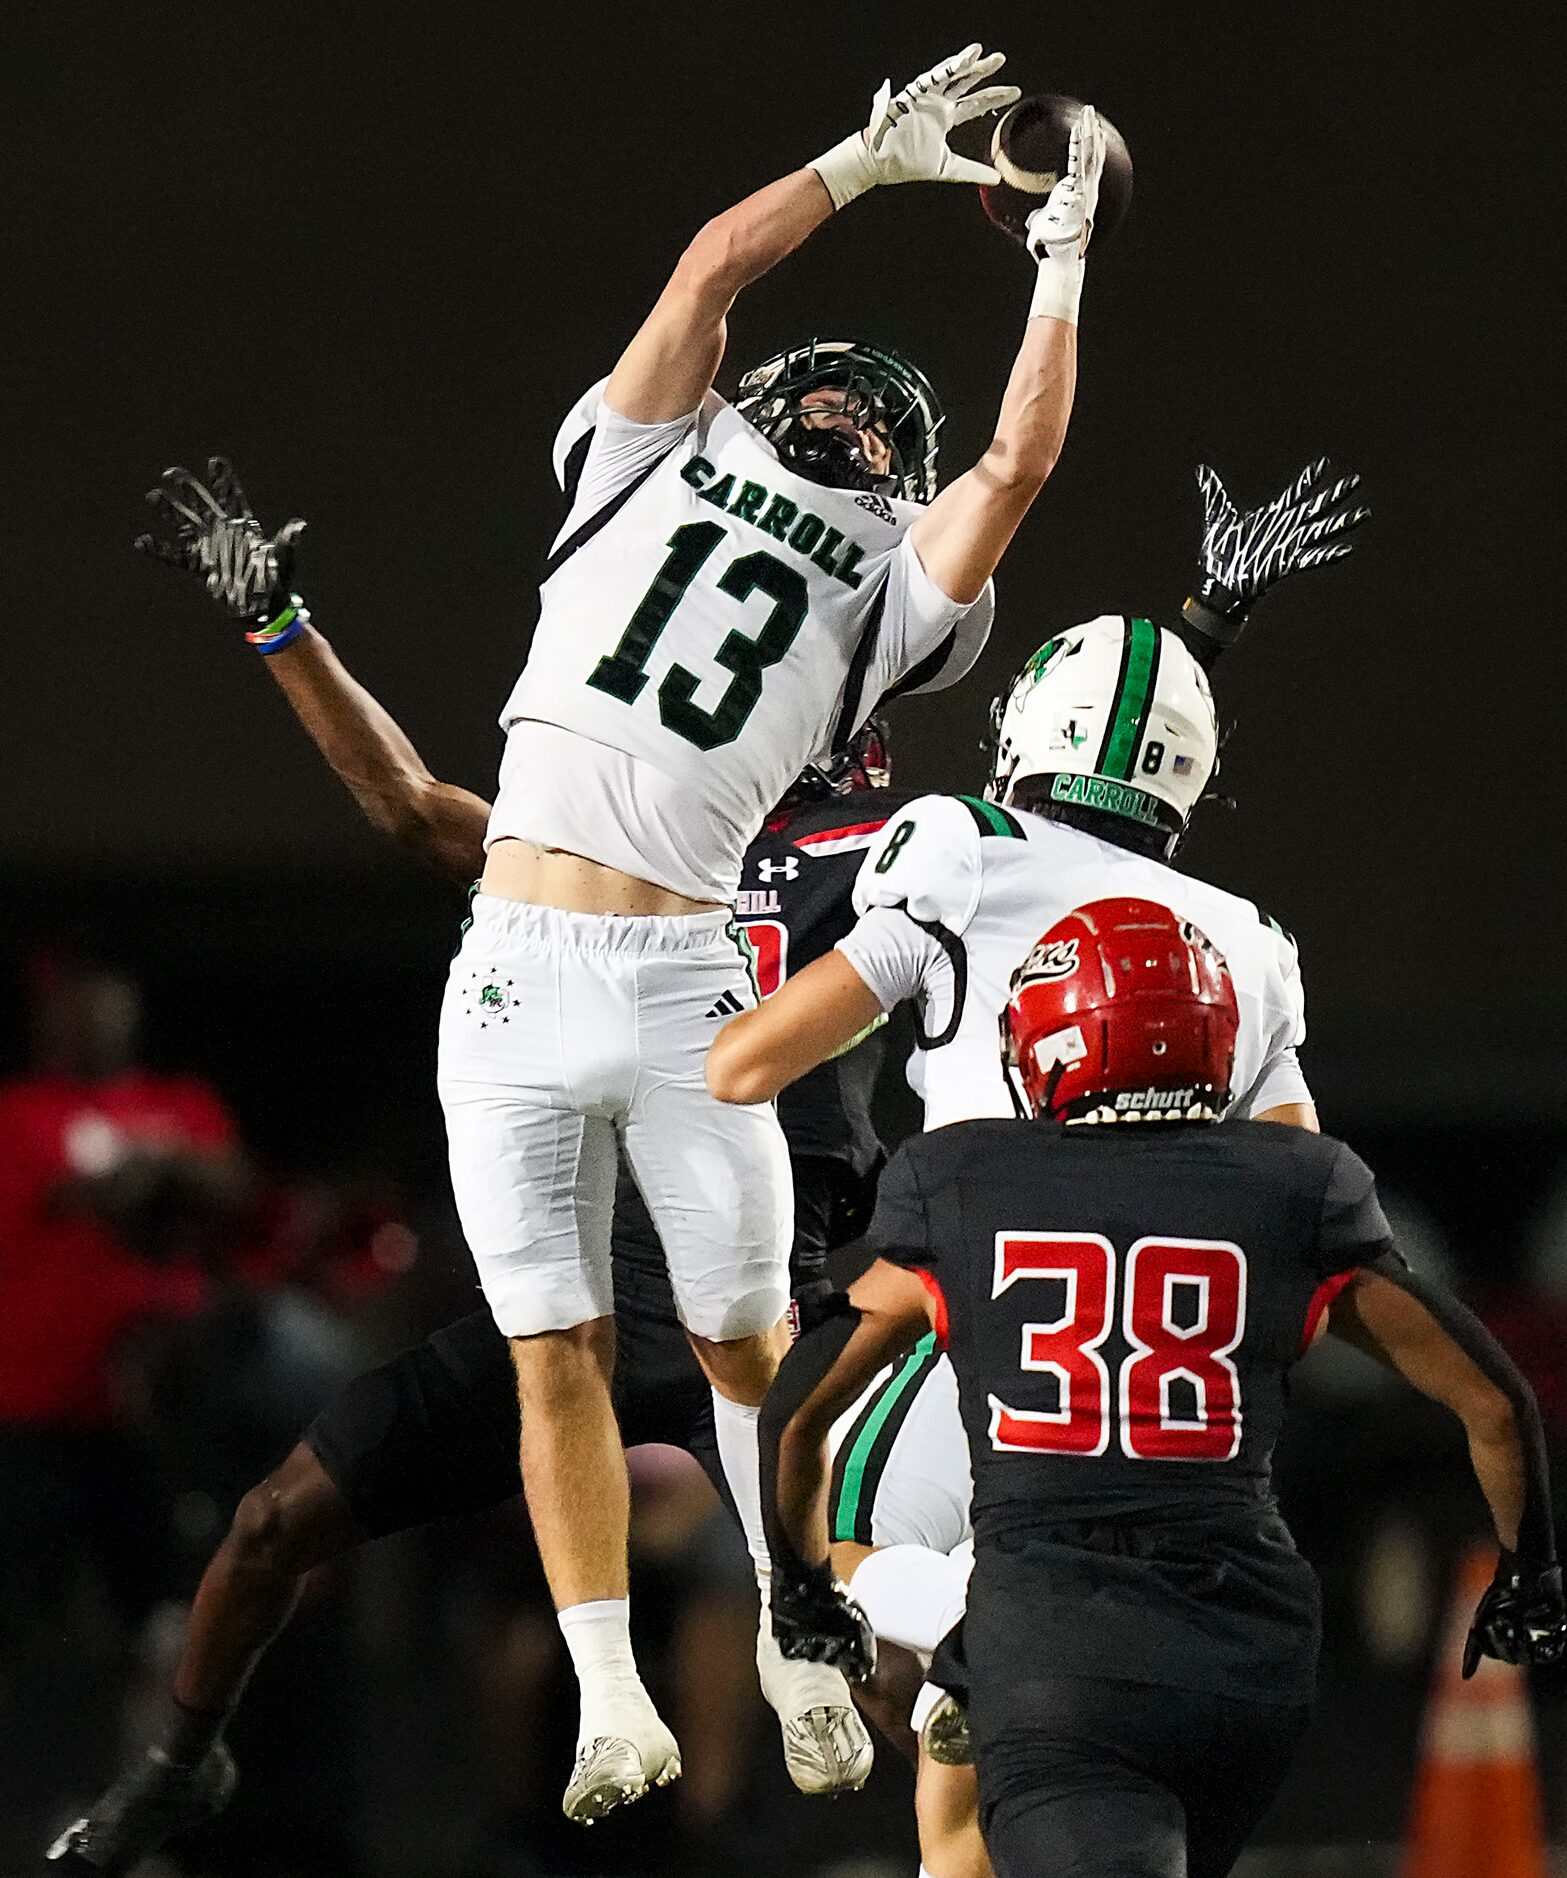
[[119, 1188]]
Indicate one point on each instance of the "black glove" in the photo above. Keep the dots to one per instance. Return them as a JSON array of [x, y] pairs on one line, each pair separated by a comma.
[[816, 1621], [1245, 553], [216, 535], [1521, 1619]]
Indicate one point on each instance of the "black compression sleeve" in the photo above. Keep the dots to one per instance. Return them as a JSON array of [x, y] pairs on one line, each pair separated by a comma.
[[807, 1364], [1537, 1528]]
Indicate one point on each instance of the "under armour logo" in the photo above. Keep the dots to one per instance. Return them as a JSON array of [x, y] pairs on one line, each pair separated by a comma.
[[727, 1006], [771, 870]]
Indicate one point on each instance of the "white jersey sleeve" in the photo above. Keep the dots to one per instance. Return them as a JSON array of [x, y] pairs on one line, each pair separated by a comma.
[[599, 455], [915, 895], [1280, 1078], [929, 641]]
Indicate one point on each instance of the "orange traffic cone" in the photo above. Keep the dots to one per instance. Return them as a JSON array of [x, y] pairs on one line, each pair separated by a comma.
[[1476, 1810]]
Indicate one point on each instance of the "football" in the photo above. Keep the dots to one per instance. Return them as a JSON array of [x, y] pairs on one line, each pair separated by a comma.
[[1029, 148]]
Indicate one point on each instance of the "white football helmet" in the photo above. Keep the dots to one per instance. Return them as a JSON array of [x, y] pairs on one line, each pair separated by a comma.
[[1115, 716]]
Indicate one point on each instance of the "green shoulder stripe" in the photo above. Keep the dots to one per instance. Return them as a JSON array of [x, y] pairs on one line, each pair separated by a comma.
[[991, 819], [1287, 937]]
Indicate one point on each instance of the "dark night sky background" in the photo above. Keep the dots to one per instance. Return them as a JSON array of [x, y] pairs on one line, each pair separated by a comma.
[[375, 253]]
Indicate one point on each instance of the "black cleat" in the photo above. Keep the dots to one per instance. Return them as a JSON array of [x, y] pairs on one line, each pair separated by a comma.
[[144, 1809]]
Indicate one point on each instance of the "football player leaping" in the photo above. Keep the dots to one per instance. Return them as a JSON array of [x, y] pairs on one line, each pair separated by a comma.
[[433, 1433], [733, 590], [1105, 743]]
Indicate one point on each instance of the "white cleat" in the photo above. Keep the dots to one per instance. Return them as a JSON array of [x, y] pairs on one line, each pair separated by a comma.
[[827, 1748], [614, 1769]]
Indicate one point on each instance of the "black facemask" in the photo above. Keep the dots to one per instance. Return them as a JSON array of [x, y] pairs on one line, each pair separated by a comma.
[[832, 457]]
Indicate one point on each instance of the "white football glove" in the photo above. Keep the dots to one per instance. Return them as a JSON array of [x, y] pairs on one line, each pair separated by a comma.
[[1059, 232], [906, 139]]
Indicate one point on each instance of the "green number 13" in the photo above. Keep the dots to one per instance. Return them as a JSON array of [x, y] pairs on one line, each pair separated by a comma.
[[623, 673]]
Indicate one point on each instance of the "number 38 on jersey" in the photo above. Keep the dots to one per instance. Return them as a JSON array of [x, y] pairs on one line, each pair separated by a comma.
[[1173, 1396]]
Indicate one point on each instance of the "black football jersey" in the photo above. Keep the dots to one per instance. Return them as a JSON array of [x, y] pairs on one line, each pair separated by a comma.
[[795, 903], [1122, 1305]]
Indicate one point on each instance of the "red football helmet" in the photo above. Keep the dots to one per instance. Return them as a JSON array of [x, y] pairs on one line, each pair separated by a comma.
[[1122, 1012]]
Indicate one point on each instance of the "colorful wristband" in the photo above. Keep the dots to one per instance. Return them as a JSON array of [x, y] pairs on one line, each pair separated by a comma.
[[273, 634]]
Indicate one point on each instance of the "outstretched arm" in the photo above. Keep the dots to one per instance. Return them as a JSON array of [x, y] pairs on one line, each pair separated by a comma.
[[815, 1015], [670, 365], [962, 536], [1426, 1336], [372, 757], [885, 1312], [834, 1359], [209, 529], [1246, 551]]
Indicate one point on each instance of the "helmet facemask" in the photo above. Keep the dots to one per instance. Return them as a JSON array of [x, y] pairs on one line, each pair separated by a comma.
[[879, 391], [862, 763]]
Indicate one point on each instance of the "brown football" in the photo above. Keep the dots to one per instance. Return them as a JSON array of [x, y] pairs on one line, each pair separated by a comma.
[[1029, 148]]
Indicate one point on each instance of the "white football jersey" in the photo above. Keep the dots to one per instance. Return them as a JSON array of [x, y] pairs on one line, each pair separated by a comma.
[[711, 622], [952, 899]]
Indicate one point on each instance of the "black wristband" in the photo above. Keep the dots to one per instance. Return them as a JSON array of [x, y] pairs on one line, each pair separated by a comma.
[[1216, 614]]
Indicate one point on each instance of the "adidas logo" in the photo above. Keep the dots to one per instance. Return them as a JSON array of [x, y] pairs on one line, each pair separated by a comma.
[[877, 506], [727, 1006]]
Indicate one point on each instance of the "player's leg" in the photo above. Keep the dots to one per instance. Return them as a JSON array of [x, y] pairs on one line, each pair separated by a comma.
[[826, 1747], [1073, 1776], [537, 1052], [717, 1182], [426, 1436], [295, 1520], [1229, 1786], [291, 1522], [946, 1811], [573, 1465], [888, 1698], [1077, 1817]]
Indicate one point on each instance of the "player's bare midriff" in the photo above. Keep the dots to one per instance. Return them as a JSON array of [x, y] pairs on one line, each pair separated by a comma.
[[522, 870]]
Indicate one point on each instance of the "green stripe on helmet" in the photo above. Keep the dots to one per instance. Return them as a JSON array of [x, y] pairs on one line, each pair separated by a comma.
[[1134, 698]]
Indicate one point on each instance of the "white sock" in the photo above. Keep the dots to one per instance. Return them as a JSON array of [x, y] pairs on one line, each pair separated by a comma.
[[598, 1635], [911, 1595], [736, 1428]]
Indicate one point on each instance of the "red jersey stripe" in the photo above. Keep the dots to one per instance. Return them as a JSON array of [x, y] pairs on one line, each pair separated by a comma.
[[933, 1285], [860, 830]]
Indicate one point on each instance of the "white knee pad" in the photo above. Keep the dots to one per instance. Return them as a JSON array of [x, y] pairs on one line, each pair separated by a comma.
[[911, 1595]]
